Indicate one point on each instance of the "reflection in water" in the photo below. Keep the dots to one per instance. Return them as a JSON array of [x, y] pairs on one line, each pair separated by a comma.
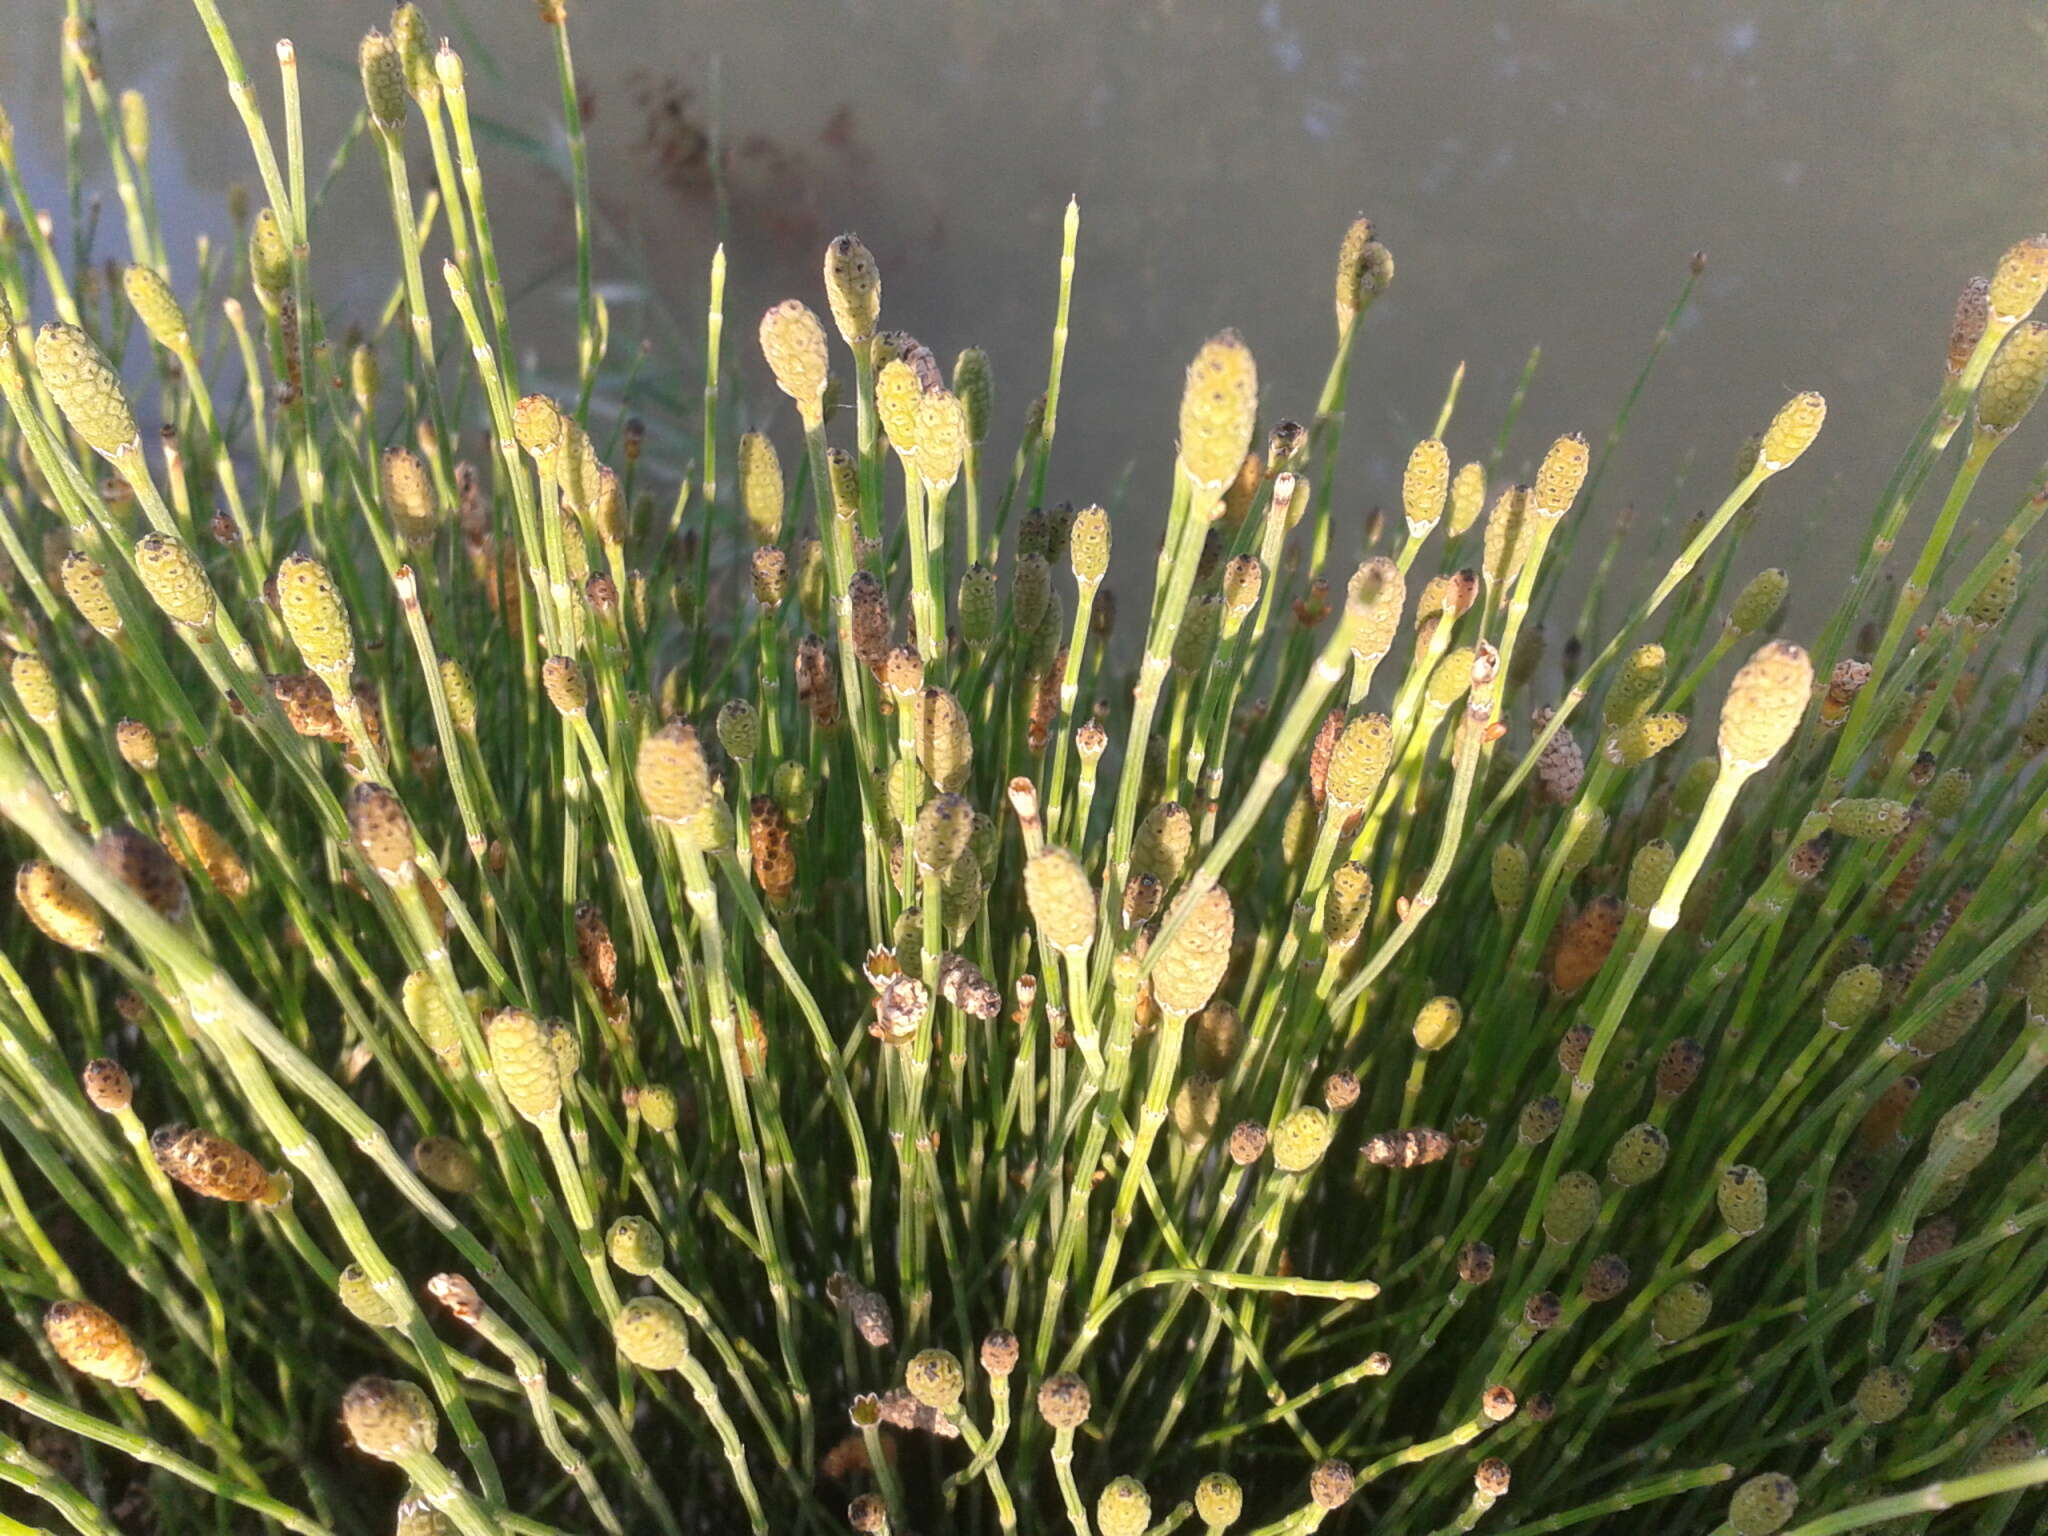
[[1541, 170]]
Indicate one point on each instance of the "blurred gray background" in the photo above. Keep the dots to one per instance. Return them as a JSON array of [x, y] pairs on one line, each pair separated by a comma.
[[1542, 170]]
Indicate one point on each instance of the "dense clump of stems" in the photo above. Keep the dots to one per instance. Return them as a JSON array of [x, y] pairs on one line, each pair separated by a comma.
[[666, 918]]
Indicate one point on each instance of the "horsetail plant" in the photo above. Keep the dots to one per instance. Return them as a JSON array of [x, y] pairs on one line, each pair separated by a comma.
[[846, 1036]]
